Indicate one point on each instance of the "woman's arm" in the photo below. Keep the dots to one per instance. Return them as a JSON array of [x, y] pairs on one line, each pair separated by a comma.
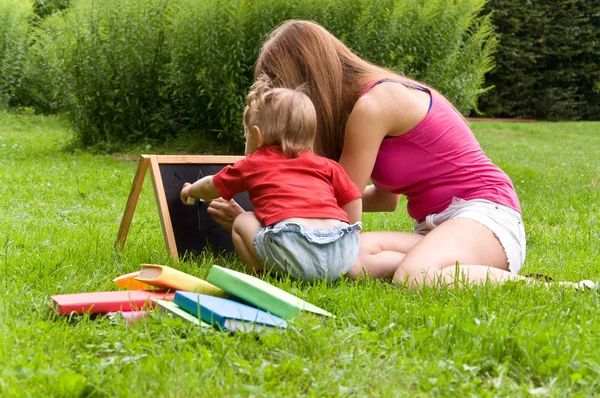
[[365, 129], [362, 138]]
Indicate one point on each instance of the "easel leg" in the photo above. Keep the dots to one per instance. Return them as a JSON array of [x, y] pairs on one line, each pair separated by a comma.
[[163, 208], [134, 195]]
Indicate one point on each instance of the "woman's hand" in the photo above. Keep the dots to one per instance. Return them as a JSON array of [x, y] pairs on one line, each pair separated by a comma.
[[377, 200], [224, 212]]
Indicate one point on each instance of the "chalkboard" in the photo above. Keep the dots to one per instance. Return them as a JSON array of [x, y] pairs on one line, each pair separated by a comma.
[[186, 228]]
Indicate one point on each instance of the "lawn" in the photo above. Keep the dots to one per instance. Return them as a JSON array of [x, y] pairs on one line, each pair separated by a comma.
[[60, 213]]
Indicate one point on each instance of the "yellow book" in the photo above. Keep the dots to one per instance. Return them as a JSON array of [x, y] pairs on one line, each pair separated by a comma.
[[170, 278]]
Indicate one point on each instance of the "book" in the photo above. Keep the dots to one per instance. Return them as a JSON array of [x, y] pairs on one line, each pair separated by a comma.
[[260, 293], [174, 311], [170, 278], [128, 316], [105, 302], [227, 315], [128, 282]]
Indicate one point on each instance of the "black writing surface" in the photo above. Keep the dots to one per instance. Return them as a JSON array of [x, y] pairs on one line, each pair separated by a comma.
[[193, 228]]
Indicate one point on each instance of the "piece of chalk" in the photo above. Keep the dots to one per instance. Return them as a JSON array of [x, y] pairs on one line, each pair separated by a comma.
[[190, 200]]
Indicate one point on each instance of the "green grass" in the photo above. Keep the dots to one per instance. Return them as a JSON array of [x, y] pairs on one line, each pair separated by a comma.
[[60, 212]]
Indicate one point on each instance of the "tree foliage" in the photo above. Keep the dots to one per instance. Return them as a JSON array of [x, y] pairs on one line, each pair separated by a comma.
[[548, 60]]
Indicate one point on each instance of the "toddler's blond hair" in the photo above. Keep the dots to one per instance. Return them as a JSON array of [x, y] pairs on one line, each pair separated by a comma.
[[285, 117]]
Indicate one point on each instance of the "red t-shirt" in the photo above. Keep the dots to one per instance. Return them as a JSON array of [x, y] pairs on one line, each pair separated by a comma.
[[308, 186]]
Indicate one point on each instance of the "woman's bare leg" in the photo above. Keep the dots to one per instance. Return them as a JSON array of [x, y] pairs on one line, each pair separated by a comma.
[[433, 259], [380, 253]]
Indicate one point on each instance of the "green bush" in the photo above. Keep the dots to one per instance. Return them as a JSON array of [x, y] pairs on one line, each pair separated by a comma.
[[106, 61], [548, 60], [43, 8], [33, 91], [148, 68], [14, 29]]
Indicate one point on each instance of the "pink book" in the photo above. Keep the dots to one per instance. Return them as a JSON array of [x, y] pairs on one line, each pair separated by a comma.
[[129, 316], [105, 302]]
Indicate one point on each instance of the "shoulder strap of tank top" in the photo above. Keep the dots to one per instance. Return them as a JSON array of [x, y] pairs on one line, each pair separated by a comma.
[[372, 84]]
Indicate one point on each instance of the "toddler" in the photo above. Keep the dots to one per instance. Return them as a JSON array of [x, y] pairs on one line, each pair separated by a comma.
[[306, 218]]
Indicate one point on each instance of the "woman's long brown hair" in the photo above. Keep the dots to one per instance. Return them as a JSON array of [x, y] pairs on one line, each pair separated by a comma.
[[304, 53]]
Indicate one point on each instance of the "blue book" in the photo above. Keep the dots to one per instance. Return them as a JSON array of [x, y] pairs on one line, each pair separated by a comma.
[[226, 314]]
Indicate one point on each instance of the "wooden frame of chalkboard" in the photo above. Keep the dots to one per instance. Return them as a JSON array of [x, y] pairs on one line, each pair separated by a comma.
[[186, 228]]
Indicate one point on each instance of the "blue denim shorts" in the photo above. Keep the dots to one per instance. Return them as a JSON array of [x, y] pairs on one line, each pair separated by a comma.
[[306, 253]]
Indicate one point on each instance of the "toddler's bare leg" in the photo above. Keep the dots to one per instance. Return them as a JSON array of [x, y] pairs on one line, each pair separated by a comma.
[[381, 253], [244, 229]]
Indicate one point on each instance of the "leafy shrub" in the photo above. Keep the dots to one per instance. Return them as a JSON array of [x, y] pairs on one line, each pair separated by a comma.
[[149, 68], [33, 91], [14, 29], [43, 8], [106, 61], [547, 60]]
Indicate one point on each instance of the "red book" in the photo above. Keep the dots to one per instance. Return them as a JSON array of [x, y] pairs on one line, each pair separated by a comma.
[[104, 302]]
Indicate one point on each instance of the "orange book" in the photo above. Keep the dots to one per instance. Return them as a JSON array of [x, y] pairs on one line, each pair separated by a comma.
[[105, 302], [128, 282]]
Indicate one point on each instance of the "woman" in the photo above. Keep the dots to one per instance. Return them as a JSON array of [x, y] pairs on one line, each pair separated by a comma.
[[408, 139]]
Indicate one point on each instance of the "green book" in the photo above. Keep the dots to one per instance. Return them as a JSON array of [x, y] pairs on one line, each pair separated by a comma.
[[175, 311], [260, 293]]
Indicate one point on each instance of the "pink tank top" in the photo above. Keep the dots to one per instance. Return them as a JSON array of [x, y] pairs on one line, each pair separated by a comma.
[[437, 160]]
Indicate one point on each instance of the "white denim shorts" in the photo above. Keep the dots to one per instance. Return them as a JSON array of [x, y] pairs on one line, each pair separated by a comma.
[[503, 221], [305, 253]]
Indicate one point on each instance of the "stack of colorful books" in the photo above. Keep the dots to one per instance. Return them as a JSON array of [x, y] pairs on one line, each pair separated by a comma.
[[227, 299]]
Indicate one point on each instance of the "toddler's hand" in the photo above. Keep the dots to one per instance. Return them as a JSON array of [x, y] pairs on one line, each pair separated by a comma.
[[185, 193]]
